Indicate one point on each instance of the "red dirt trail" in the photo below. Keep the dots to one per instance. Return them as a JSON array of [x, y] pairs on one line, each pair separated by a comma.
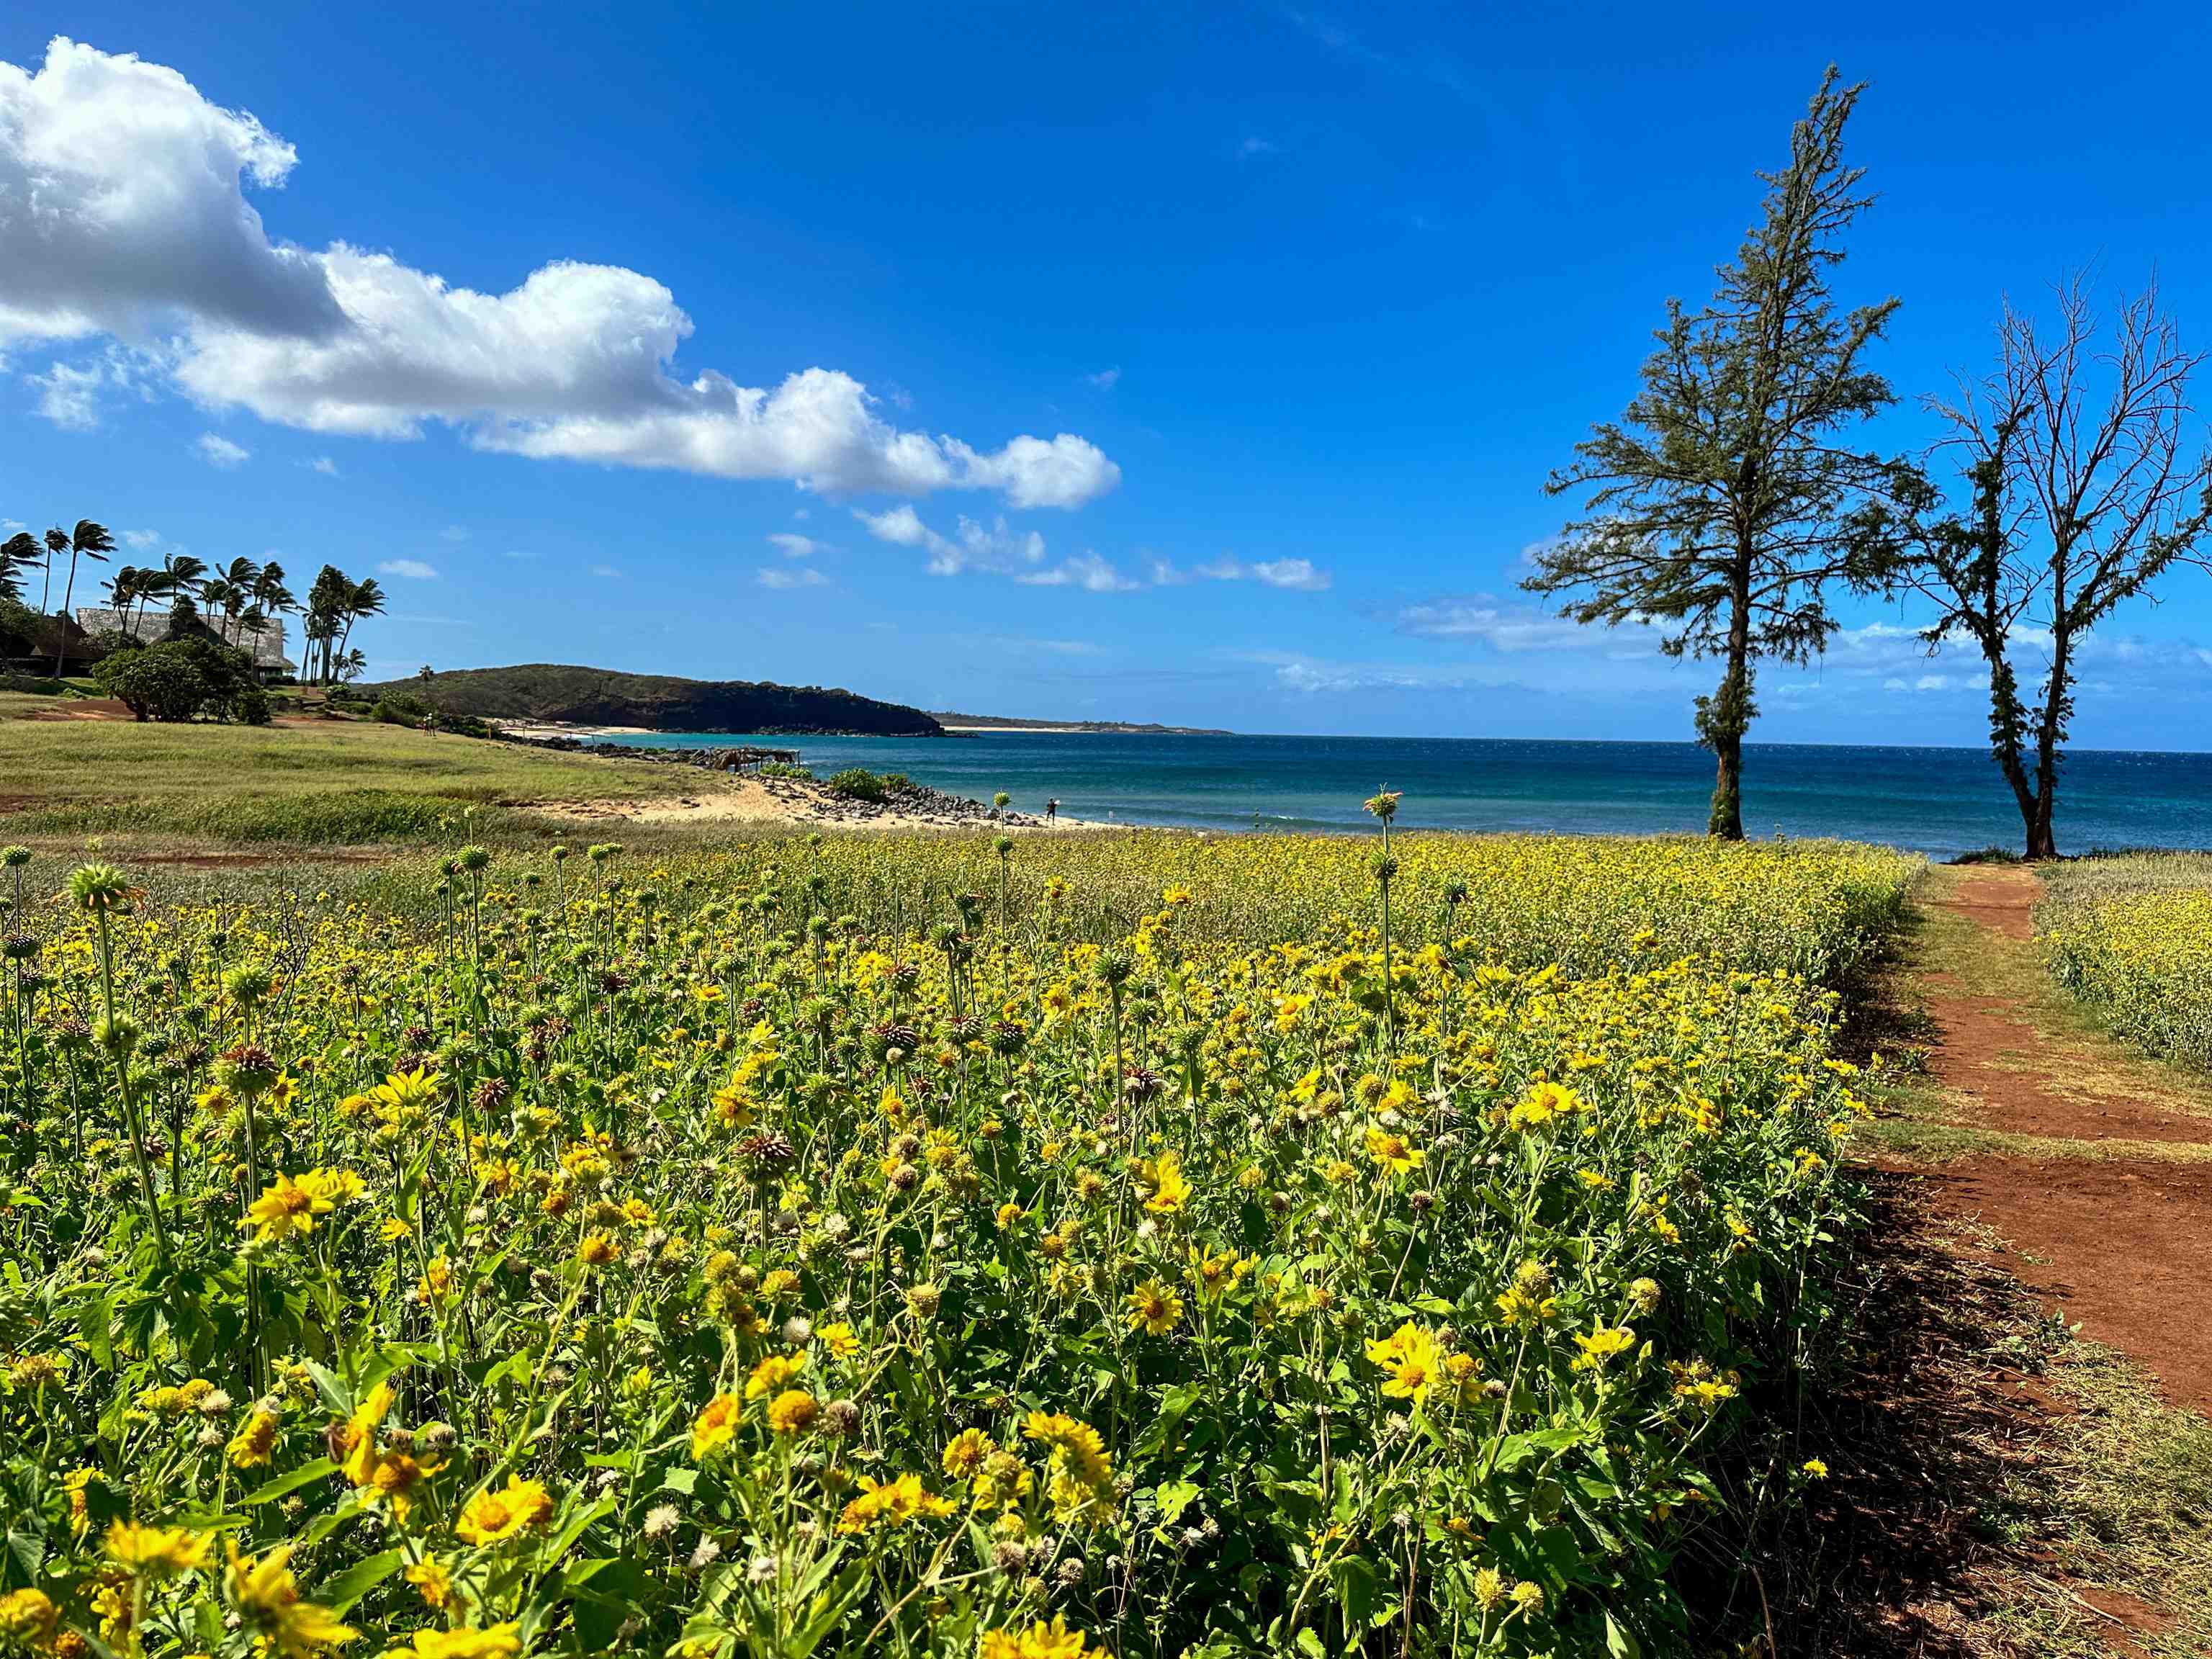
[[2123, 1246]]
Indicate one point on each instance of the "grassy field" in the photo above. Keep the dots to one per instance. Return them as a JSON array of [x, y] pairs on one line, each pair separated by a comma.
[[326, 783]]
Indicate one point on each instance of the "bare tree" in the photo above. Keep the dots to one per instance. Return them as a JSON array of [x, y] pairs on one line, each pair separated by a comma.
[[2087, 485]]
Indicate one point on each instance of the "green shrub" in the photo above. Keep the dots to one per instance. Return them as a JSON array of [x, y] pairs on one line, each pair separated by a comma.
[[858, 783], [787, 771], [398, 709], [183, 679]]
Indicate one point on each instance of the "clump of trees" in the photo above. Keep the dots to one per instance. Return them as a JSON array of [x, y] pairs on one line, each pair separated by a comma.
[[1733, 498], [186, 679]]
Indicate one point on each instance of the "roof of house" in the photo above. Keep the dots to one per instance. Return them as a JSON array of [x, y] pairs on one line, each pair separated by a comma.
[[265, 640]]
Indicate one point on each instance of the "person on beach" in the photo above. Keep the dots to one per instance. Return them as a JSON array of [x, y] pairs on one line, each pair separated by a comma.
[[1052, 810]]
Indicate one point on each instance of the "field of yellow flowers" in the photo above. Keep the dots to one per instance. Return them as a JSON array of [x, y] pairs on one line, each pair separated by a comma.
[[1137, 1245], [2132, 938]]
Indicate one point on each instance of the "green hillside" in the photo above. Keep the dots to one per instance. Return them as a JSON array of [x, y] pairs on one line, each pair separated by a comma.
[[662, 702]]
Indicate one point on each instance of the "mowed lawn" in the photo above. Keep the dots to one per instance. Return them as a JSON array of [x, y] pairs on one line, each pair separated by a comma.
[[310, 784]]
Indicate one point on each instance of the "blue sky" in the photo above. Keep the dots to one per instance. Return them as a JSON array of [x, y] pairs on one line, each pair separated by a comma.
[[1193, 364]]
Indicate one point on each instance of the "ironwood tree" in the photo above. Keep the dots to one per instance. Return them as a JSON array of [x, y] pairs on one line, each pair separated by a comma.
[[1723, 505], [2087, 485]]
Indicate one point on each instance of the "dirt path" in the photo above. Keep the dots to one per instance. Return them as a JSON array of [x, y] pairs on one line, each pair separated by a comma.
[[2093, 1165], [2004, 1488]]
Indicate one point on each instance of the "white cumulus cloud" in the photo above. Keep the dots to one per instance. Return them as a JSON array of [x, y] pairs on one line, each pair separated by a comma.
[[123, 204], [413, 570]]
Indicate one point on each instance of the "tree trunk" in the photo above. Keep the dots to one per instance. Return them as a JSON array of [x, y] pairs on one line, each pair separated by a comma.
[[61, 639], [2042, 840], [1724, 716]]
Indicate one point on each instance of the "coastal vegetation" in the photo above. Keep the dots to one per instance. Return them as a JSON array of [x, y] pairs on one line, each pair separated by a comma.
[[1142, 1244], [660, 703]]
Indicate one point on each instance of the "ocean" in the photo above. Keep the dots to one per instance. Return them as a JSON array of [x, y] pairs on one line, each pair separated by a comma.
[[1937, 801]]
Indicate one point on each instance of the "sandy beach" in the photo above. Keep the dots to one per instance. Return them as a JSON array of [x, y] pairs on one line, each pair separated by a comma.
[[787, 801]]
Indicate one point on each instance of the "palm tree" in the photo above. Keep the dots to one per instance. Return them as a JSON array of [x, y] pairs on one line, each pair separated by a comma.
[[366, 599], [89, 541], [178, 574], [46, 564], [272, 599], [327, 603], [19, 552], [122, 591], [234, 582]]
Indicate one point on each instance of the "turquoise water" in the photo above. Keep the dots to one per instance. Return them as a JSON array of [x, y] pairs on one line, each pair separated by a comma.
[[1939, 801]]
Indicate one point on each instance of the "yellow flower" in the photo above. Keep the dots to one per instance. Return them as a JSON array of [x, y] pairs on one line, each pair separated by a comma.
[[1075, 1446], [966, 1453], [715, 1426], [1392, 1152], [791, 1412], [1602, 1345], [432, 1580], [157, 1551], [267, 1597], [285, 1208], [1039, 1641], [27, 1617], [1153, 1308], [1543, 1105], [1168, 1191], [839, 1338], [891, 1504], [255, 1438], [499, 1642], [1411, 1360], [492, 1518], [358, 1437], [773, 1373], [597, 1249]]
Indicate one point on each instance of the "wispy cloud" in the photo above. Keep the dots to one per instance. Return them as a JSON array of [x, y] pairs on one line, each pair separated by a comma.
[[792, 546], [783, 577], [1437, 67], [219, 451], [413, 570], [1299, 576], [1086, 570], [1502, 625], [1106, 378], [324, 465], [1252, 144]]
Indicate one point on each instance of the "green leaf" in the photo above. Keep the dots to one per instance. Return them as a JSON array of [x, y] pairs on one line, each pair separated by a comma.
[[1174, 1496], [357, 1580], [95, 1324], [306, 1475], [1619, 1642]]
